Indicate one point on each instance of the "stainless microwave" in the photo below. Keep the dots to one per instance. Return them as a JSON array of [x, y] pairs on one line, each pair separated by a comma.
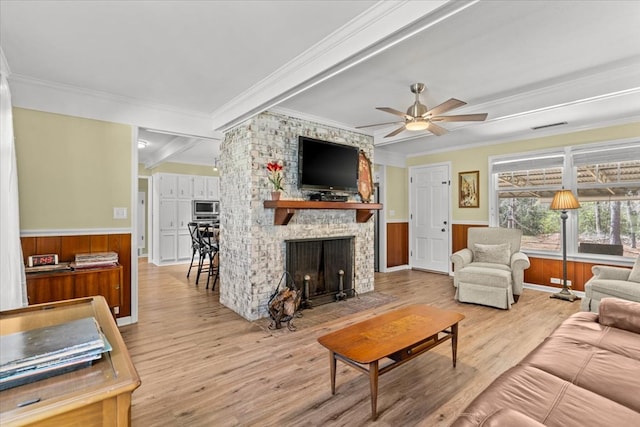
[[205, 208]]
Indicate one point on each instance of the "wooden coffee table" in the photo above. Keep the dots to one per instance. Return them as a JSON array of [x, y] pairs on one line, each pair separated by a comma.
[[398, 336]]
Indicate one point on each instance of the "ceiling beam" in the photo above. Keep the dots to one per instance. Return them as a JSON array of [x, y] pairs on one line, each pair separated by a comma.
[[175, 146], [380, 27]]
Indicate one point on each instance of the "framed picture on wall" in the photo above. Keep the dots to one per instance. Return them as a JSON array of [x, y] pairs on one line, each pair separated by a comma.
[[469, 189]]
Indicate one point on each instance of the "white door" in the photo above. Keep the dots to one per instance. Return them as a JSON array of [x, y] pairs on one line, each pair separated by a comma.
[[142, 220], [429, 218]]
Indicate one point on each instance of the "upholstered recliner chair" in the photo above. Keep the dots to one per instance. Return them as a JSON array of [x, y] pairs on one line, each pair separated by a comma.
[[490, 270], [608, 281]]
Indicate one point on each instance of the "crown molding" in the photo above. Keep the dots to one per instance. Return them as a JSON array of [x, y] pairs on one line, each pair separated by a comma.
[[316, 119], [53, 97], [380, 27]]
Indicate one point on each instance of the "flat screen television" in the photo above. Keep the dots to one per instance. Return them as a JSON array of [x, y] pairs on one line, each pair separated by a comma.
[[327, 166]]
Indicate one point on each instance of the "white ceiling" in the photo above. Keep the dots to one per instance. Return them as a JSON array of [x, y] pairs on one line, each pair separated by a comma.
[[525, 63]]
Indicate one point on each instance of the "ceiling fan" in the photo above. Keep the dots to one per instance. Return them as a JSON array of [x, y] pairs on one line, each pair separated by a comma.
[[419, 117]]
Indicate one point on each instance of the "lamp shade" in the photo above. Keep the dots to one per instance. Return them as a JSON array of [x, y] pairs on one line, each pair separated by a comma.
[[564, 200]]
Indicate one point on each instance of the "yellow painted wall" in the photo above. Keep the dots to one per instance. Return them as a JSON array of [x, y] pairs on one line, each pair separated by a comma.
[[471, 159], [72, 171], [397, 194]]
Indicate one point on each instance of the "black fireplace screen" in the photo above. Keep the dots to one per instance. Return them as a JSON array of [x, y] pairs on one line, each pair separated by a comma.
[[321, 260]]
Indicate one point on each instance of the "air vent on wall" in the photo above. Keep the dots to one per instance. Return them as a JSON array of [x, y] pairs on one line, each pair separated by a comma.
[[548, 126]]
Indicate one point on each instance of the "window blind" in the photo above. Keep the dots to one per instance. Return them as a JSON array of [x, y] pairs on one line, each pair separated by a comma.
[[531, 163], [612, 154]]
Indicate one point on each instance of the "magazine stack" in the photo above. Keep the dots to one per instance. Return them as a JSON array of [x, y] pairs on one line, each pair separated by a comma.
[[53, 350], [95, 260]]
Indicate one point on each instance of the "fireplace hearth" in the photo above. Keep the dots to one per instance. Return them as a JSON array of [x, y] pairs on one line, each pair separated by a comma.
[[321, 268]]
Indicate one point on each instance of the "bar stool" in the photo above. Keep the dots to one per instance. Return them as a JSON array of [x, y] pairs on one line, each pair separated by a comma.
[[195, 244], [208, 248]]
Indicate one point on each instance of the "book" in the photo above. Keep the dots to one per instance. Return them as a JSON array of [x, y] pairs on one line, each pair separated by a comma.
[[45, 268], [43, 352]]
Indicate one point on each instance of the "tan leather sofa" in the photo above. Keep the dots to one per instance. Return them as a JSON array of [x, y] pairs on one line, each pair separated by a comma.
[[586, 373], [614, 282]]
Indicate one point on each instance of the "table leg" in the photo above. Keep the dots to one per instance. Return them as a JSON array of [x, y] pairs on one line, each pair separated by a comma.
[[332, 366], [373, 382], [454, 343]]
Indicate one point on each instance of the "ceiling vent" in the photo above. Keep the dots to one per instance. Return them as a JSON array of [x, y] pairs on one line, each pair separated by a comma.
[[548, 126]]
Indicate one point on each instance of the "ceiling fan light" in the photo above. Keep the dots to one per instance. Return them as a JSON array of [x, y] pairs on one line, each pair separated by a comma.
[[417, 124]]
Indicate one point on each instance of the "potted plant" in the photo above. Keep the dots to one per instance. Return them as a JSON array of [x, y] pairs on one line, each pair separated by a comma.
[[275, 177]]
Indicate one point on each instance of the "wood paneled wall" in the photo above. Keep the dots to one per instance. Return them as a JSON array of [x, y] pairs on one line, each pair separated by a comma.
[[397, 244], [68, 246], [542, 269]]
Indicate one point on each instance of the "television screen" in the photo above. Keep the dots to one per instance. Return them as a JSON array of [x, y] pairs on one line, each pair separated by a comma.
[[327, 166]]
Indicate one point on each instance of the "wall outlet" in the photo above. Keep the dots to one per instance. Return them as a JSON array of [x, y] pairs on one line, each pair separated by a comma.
[[119, 213], [392, 213], [116, 310], [557, 281]]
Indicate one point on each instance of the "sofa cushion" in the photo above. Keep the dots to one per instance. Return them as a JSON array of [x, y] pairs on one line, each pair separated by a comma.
[[503, 417], [490, 277], [548, 400], [620, 314], [590, 367], [490, 265], [496, 254], [584, 327], [634, 276]]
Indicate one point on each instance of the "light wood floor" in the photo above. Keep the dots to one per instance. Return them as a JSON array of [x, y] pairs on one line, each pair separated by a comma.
[[203, 365]]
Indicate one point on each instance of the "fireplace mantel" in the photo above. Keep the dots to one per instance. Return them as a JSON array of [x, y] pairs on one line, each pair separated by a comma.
[[285, 209]]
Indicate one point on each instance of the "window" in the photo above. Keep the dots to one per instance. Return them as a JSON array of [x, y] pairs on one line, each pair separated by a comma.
[[608, 187], [524, 188], [606, 180]]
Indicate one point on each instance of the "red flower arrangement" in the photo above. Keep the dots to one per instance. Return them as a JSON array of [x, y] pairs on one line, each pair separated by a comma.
[[275, 174]]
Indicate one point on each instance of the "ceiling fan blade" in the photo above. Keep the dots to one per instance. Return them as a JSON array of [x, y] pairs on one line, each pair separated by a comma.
[[435, 129], [394, 111], [377, 124], [444, 107], [461, 118], [395, 132]]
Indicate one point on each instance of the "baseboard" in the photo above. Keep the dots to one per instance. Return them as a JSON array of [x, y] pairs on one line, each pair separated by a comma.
[[549, 289], [397, 268]]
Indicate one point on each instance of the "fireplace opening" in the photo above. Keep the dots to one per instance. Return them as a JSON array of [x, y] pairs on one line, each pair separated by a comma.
[[321, 268]]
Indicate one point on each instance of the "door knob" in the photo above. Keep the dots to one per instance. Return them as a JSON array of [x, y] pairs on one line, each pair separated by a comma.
[[443, 230]]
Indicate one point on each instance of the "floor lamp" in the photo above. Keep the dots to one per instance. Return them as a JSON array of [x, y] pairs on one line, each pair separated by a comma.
[[562, 201]]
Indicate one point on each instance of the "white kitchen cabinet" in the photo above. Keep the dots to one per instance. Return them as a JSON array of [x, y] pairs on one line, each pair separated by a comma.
[[168, 244], [184, 246], [167, 217], [168, 186], [184, 215], [213, 188], [173, 195], [200, 187], [185, 187]]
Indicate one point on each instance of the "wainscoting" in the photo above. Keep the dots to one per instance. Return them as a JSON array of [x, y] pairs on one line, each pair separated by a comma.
[[397, 244], [68, 246]]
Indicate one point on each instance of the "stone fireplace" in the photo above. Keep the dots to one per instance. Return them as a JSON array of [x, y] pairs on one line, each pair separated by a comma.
[[253, 249]]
